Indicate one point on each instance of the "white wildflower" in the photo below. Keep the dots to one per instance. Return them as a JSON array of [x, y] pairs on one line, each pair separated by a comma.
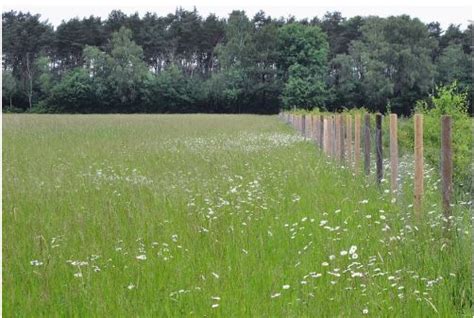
[[353, 249], [36, 262]]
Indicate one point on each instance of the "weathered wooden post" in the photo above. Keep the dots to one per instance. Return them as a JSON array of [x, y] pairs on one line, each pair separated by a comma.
[[418, 190], [337, 137], [314, 124], [315, 128], [333, 137], [357, 142], [349, 140], [378, 147], [303, 125], [367, 144], [341, 137], [307, 125], [326, 135], [446, 165], [394, 153], [330, 134], [321, 131]]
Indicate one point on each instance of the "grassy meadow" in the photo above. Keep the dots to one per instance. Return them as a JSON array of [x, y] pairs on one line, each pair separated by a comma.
[[215, 216]]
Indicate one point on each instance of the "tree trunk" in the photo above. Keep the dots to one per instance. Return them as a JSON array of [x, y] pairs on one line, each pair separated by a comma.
[[29, 74]]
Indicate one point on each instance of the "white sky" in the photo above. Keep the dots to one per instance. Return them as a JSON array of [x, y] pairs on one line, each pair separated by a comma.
[[458, 11]]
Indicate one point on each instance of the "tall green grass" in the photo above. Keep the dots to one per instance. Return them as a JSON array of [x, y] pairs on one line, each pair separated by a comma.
[[214, 215]]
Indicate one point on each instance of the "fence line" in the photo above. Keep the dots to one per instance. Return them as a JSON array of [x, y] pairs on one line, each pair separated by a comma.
[[336, 136]]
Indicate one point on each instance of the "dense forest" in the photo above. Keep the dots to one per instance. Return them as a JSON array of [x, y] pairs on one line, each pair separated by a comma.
[[183, 62]]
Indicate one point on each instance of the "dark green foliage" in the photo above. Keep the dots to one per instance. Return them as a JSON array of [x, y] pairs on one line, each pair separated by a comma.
[[24, 37], [303, 60], [172, 92], [9, 87], [75, 93], [393, 62], [183, 62]]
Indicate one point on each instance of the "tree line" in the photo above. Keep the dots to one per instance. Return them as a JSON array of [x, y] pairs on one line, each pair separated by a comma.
[[183, 62]]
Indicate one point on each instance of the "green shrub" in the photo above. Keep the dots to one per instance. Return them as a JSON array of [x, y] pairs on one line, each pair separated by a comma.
[[447, 101], [40, 107]]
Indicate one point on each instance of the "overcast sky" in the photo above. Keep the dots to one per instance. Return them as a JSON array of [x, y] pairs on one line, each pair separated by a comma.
[[459, 11]]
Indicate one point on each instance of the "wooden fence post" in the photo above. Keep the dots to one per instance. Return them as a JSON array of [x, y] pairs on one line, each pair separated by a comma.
[[321, 131], [367, 144], [446, 165], [333, 136], [349, 140], [326, 135], [337, 137], [418, 190], [330, 137], [342, 134], [308, 126], [303, 126], [378, 147], [317, 130], [357, 142], [394, 153]]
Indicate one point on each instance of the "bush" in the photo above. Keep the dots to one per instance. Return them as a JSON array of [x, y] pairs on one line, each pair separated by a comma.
[[75, 93], [39, 108], [447, 101]]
